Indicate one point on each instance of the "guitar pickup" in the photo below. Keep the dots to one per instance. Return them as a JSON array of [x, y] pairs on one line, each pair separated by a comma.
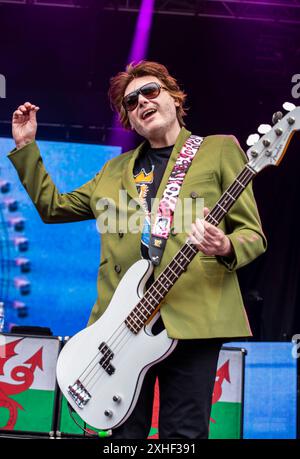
[[107, 357]]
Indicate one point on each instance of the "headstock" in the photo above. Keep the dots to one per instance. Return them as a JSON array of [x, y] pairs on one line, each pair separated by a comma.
[[271, 147]]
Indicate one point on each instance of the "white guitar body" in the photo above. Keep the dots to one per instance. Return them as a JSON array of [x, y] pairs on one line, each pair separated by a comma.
[[114, 394]]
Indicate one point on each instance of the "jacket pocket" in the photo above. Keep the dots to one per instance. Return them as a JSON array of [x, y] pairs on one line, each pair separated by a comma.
[[205, 177], [210, 266]]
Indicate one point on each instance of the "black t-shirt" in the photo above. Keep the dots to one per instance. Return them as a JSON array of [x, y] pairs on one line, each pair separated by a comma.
[[148, 172]]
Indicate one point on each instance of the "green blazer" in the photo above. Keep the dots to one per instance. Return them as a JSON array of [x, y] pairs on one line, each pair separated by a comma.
[[206, 301]]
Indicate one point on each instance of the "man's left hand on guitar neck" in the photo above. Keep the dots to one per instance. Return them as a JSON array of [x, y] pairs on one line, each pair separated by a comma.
[[209, 239]]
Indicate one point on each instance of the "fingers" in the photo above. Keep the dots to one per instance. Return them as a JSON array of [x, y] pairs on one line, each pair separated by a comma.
[[209, 229], [197, 232], [25, 109], [205, 211], [195, 241], [207, 238], [203, 233]]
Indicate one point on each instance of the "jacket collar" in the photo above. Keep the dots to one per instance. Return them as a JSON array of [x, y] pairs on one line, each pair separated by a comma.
[[128, 180]]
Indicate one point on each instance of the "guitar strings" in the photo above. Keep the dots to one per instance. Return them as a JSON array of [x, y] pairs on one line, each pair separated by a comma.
[[246, 174], [127, 334], [127, 331]]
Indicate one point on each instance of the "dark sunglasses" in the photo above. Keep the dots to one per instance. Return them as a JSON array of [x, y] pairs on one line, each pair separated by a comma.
[[149, 90]]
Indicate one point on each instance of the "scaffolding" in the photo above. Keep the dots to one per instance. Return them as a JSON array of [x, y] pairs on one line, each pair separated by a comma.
[[282, 11]]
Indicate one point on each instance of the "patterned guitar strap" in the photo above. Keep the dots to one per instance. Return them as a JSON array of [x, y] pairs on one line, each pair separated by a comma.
[[165, 212]]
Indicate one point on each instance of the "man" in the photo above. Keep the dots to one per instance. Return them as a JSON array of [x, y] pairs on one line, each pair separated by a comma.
[[204, 307]]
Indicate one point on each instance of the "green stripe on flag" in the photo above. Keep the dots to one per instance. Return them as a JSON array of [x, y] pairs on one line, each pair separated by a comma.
[[66, 424], [227, 417], [37, 412]]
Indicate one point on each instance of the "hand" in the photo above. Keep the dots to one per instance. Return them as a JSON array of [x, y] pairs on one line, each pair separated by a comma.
[[209, 239], [24, 125]]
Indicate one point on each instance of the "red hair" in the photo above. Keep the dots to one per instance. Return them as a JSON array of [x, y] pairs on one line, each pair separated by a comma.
[[119, 83]]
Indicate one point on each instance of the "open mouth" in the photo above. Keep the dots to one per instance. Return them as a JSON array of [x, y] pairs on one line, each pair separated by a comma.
[[148, 113]]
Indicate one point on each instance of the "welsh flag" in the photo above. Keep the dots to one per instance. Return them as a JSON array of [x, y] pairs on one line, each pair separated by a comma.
[[27, 383], [226, 413]]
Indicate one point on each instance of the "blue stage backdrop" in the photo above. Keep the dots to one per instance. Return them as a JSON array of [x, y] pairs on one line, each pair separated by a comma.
[[64, 257], [270, 406]]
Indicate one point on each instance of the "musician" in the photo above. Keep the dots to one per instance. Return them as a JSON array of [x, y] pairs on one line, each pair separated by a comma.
[[204, 308]]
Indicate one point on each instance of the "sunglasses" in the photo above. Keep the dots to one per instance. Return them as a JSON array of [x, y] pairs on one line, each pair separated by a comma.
[[149, 90]]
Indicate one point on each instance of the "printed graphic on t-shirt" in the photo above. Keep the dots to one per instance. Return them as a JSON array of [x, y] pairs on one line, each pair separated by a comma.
[[143, 180]]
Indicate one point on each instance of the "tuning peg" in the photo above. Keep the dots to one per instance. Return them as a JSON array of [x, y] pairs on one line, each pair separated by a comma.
[[291, 120], [266, 142], [288, 106], [276, 117], [252, 139], [264, 128]]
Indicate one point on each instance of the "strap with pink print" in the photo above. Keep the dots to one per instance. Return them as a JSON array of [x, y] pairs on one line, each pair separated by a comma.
[[165, 212]]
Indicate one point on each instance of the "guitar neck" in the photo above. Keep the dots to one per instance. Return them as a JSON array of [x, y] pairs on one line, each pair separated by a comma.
[[150, 303]]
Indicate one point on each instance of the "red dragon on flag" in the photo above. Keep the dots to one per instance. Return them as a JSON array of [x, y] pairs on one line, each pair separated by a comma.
[[222, 374], [22, 374]]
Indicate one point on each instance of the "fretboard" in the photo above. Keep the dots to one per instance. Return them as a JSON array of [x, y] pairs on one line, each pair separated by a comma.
[[153, 297]]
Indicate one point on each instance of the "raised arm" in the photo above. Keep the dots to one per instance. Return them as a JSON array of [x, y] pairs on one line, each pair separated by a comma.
[[53, 207]]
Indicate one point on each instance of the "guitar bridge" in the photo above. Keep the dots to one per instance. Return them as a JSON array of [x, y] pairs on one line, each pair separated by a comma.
[[79, 394]]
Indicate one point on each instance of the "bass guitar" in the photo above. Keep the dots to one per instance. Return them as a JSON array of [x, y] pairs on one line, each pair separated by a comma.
[[100, 370]]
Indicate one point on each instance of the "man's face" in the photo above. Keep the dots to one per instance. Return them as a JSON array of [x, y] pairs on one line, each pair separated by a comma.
[[164, 116]]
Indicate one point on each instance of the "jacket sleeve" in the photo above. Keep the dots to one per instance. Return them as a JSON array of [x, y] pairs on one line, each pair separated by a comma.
[[52, 206], [242, 221]]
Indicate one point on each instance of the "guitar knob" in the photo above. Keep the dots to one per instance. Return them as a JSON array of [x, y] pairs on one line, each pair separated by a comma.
[[278, 131], [117, 398], [276, 117], [291, 120], [108, 413], [254, 153]]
